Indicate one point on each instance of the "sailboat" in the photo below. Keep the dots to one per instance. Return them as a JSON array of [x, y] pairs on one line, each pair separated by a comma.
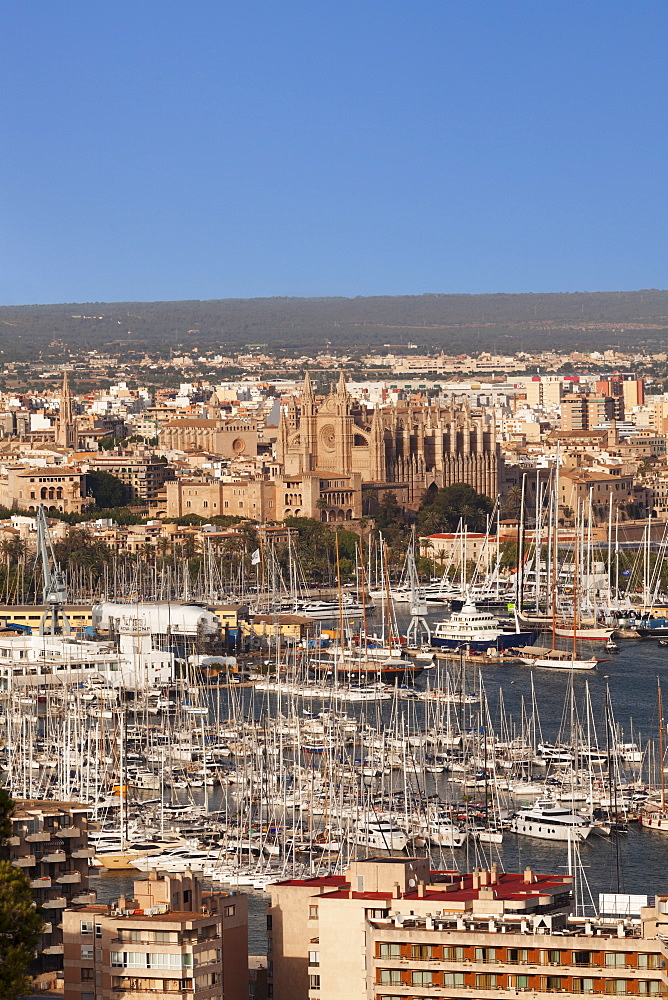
[[652, 816], [557, 658]]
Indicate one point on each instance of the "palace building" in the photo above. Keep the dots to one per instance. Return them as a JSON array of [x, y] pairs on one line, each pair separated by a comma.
[[409, 445]]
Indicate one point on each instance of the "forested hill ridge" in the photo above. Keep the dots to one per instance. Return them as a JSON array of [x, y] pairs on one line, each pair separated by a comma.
[[454, 323]]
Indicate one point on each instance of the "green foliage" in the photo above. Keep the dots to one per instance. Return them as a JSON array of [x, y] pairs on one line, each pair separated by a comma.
[[441, 510], [108, 490], [78, 548], [20, 923], [222, 520], [107, 443], [316, 547]]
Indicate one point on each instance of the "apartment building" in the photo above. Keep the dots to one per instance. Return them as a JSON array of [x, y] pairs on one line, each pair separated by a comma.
[[144, 475], [580, 412], [391, 928], [49, 842], [169, 940]]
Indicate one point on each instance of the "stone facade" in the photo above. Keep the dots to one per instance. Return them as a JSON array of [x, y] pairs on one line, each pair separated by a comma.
[[56, 487], [412, 445], [227, 438]]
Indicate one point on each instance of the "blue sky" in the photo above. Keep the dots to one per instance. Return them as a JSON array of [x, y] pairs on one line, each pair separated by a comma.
[[164, 150]]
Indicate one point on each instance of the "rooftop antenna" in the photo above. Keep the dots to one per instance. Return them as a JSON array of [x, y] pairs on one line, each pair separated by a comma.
[[54, 587]]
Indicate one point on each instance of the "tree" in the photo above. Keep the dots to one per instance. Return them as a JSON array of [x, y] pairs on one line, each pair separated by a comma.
[[108, 490], [442, 510], [20, 923]]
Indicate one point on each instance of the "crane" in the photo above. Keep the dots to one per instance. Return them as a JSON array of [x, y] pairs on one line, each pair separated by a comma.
[[54, 587]]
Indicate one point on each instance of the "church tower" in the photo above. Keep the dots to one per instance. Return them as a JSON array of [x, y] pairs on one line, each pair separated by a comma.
[[66, 425]]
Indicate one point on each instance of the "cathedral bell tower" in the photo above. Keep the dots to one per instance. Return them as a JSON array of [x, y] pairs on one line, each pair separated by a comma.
[[66, 425]]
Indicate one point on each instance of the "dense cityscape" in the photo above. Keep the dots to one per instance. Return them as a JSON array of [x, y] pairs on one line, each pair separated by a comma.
[[333, 500], [251, 627]]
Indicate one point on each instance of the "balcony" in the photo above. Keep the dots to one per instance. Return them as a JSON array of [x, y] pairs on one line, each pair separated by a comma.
[[69, 831], [47, 928], [54, 857], [39, 838], [53, 949], [83, 899], [57, 903], [13, 841], [69, 878], [83, 852], [40, 883], [27, 861]]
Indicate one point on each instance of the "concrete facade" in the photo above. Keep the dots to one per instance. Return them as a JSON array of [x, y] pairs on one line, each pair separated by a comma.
[[169, 940], [392, 928]]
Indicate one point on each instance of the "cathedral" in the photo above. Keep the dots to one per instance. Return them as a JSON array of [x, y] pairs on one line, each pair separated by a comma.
[[409, 445]]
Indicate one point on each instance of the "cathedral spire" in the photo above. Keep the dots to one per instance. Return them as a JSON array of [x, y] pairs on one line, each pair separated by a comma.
[[307, 389], [341, 387], [66, 428]]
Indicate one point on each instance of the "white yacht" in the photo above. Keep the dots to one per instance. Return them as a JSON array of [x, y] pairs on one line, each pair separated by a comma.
[[547, 820], [441, 831], [479, 631], [380, 834], [329, 610]]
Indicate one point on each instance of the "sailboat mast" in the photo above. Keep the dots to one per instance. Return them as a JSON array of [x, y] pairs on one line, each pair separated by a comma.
[[576, 570], [663, 777]]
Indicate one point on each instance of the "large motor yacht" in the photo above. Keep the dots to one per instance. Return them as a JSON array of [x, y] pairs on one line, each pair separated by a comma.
[[547, 820], [479, 630]]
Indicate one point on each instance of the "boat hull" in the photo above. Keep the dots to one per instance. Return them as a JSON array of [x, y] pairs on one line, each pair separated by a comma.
[[595, 633], [505, 640]]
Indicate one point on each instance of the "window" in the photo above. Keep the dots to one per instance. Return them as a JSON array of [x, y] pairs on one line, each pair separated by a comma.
[[314, 982], [553, 982], [554, 957], [422, 978], [484, 981], [519, 955], [314, 958], [453, 954], [86, 926], [389, 950], [649, 986], [615, 986], [269, 921], [390, 976], [98, 930], [134, 959], [485, 954], [615, 959], [453, 978], [162, 961], [518, 982], [230, 910], [87, 975], [582, 958], [313, 912], [648, 961], [423, 952], [583, 986], [87, 952]]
